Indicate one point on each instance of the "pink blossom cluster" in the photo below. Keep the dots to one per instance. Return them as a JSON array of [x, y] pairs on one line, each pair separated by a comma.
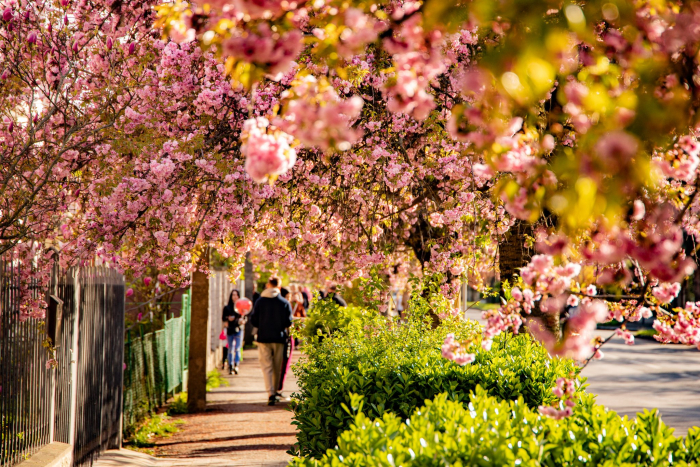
[[680, 162], [681, 328], [457, 351], [417, 62], [626, 335], [318, 117], [268, 151], [577, 339], [275, 52], [655, 243], [360, 29], [565, 391], [508, 317], [666, 292]]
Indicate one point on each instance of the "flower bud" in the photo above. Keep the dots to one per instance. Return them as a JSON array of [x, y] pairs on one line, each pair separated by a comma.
[[31, 38], [64, 2], [132, 48], [129, 292], [65, 20], [50, 28], [109, 43], [5, 74], [7, 14], [26, 15]]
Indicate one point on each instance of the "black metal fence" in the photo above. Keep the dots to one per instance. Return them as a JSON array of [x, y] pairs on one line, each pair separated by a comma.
[[79, 401], [25, 382]]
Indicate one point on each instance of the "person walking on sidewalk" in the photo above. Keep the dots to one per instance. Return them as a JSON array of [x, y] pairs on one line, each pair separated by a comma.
[[333, 295], [272, 315], [235, 326]]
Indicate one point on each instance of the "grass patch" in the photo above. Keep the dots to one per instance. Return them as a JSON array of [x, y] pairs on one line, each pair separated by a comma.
[[215, 380], [483, 306], [646, 333], [153, 427], [179, 404]]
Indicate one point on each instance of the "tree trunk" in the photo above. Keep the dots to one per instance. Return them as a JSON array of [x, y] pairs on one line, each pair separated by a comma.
[[514, 255], [248, 274], [418, 242], [512, 252], [199, 340]]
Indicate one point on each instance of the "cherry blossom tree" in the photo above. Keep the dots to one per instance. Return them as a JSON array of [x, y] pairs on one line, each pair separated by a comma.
[[578, 120], [557, 141]]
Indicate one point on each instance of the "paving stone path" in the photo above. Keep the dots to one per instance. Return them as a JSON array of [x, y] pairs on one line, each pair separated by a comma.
[[238, 428]]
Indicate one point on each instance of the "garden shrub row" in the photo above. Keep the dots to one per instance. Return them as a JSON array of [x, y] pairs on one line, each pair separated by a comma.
[[491, 431], [396, 368]]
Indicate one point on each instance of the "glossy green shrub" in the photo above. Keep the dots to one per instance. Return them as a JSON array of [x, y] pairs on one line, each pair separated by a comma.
[[397, 367], [492, 432], [325, 318]]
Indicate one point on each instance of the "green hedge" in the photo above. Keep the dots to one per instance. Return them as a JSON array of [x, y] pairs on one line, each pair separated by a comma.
[[396, 367], [490, 431], [325, 318]]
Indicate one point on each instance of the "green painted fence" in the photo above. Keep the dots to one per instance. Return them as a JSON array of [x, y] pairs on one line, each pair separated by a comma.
[[155, 366]]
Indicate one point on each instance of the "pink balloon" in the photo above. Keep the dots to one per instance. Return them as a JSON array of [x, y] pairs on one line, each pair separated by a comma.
[[243, 306]]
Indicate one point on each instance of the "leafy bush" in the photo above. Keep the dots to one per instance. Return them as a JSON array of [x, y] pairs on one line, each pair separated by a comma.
[[215, 380], [178, 405], [396, 367], [491, 431], [158, 425], [325, 318]]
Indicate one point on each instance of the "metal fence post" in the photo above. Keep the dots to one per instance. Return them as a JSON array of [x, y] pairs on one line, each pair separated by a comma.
[[74, 356]]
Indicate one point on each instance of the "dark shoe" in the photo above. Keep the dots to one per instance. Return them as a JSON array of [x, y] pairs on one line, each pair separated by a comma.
[[272, 400], [230, 371], [235, 369]]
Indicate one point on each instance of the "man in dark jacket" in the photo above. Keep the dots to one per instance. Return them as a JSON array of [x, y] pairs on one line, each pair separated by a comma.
[[272, 315], [335, 296]]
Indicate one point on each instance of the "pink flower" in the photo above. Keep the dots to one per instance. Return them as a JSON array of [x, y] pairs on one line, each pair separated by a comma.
[[572, 300], [541, 263], [268, 153], [626, 335], [666, 292], [616, 149], [161, 237], [517, 294], [7, 14], [453, 350], [638, 210], [314, 211], [129, 292], [147, 281], [32, 37]]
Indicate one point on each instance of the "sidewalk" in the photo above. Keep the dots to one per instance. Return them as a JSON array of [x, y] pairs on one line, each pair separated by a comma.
[[238, 429]]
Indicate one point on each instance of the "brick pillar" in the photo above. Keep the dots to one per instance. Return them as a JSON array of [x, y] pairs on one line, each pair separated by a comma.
[[199, 341]]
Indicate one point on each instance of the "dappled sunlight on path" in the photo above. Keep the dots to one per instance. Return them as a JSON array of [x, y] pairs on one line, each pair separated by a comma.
[[238, 424], [238, 428]]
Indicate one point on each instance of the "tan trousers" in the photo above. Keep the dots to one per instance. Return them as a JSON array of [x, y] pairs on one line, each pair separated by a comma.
[[270, 356]]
